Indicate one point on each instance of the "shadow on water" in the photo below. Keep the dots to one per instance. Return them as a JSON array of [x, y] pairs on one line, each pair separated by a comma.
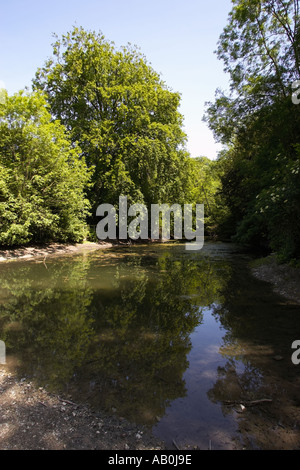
[[174, 339]]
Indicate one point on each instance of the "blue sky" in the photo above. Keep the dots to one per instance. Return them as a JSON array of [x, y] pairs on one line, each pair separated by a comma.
[[178, 38]]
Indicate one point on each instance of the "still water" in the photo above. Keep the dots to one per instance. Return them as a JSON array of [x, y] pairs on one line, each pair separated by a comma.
[[159, 335]]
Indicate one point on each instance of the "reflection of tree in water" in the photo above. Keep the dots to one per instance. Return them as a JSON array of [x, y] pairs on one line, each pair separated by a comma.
[[234, 386], [242, 317], [252, 312], [123, 344], [143, 331], [45, 319], [257, 325], [143, 328]]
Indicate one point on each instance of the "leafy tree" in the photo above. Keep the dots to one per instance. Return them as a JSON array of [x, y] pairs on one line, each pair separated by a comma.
[[259, 124], [122, 114], [42, 175], [206, 190]]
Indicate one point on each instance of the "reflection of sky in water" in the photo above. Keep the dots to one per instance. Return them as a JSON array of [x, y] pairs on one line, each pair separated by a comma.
[[194, 418]]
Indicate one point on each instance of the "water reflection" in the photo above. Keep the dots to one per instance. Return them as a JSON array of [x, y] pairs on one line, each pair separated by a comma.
[[45, 318], [156, 334], [114, 327]]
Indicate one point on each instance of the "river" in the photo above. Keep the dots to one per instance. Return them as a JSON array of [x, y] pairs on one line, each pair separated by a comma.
[[188, 343]]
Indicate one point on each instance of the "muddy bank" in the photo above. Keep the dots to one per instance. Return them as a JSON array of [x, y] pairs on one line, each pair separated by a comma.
[[33, 419], [39, 251], [43, 251], [285, 279]]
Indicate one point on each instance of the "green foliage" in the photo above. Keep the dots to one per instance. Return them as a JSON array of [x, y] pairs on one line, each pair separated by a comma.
[[260, 125], [123, 116], [206, 190], [42, 175], [279, 204]]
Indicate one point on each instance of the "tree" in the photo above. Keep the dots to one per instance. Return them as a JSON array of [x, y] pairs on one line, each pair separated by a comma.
[[43, 177], [123, 116], [206, 190], [260, 51], [259, 124]]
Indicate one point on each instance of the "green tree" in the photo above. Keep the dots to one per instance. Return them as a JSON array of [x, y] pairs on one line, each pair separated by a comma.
[[123, 115], [259, 124], [42, 175], [206, 190]]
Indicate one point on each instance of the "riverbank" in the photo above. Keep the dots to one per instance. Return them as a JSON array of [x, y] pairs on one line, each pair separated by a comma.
[[51, 249], [33, 419], [284, 278], [39, 251]]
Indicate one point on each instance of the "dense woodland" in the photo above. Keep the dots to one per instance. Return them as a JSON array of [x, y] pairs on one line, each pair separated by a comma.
[[99, 122]]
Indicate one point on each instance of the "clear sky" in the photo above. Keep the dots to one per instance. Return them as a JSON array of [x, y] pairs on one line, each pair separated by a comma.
[[178, 38]]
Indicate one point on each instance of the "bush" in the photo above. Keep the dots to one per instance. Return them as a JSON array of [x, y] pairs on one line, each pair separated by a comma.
[[43, 177]]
